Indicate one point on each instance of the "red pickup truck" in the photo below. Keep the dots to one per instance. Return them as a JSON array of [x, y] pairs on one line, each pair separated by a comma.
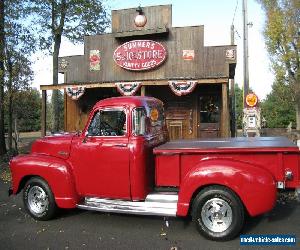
[[122, 163]]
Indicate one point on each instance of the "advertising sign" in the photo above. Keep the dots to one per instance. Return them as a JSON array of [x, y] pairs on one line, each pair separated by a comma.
[[140, 55], [251, 100], [188, 55], [95, 60]]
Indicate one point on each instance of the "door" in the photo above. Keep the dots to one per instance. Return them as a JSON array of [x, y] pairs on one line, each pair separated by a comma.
[[179, 119], [101, 158], [210, 114]]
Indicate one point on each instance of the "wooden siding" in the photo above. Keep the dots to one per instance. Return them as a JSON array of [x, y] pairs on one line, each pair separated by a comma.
[[209, 62], [74, 69], [112, 84], [157, 16], [174, 67]]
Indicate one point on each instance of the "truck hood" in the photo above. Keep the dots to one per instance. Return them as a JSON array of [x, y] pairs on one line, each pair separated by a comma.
[[57, 145]]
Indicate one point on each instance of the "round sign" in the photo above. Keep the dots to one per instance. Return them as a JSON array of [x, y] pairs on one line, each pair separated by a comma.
[[251, 100], [154, 114], [140, 55]]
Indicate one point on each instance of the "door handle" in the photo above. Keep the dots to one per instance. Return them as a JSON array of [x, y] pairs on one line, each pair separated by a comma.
[[120, 145]]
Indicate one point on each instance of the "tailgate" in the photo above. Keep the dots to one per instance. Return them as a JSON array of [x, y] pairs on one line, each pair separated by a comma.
[[291, 169]]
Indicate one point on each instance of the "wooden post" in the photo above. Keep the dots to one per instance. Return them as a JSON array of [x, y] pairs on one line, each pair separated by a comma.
[[65, 104], [143, 90], [225, 111], [232, 95], [44, 113]]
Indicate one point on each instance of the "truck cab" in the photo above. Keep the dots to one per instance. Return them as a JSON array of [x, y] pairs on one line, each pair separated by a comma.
[[113, 156]]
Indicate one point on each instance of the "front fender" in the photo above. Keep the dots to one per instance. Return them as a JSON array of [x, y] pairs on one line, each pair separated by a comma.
[[56, 172], [253, 184]]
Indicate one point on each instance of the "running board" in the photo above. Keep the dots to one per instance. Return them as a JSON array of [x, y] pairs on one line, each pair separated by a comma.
[[161, 204]]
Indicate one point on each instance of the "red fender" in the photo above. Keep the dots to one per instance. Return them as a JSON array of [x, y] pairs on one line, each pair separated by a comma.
[[56, 172], [253, 184]]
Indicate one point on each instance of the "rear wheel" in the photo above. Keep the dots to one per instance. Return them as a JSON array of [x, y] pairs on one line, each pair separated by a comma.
[[218, 213], [39, 200]]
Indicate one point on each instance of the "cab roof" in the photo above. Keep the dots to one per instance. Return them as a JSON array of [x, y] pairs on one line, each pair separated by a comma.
[[133, 101]]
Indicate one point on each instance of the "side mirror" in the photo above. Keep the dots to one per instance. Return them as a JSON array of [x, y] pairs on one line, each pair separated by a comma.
[[86, 134]]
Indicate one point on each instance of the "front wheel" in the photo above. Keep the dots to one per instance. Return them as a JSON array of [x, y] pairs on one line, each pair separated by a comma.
[[39, 200], [218, 213]]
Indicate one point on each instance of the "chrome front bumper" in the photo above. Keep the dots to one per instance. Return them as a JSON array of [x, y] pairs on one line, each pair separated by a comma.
[[297, 191]]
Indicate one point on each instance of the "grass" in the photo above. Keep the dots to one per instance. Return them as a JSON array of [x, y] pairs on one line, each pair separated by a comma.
[[24, 146]]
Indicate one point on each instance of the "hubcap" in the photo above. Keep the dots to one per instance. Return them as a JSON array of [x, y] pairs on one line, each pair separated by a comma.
[[216, 215], [37, 200]]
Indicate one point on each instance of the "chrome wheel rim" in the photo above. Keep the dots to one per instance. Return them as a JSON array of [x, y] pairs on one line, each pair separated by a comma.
[[216, 214], [37, 200]]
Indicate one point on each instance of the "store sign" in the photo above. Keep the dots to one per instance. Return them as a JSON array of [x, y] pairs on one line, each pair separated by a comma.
[[188, 55], [75, 92], [140, 55], [95, 60], [230, 54], [182, 87], [128, 88]]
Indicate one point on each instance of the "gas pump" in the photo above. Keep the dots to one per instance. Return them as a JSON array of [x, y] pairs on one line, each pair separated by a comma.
[[252, 116]]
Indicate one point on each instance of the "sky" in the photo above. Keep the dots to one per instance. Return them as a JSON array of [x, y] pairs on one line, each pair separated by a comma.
[[216, 16]]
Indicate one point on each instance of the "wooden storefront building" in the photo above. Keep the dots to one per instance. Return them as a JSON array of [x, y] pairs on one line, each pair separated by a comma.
[[169, 63]]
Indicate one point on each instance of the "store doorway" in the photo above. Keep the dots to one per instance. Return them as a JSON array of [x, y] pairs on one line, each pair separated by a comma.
[[209, 102]]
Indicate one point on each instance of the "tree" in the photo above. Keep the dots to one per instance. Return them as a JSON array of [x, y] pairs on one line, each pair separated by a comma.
[[2, 42], [278, 109], [16, 43], [72, 19], [238, 106], [19, 44], [282, 30], [19, 77], [26, 113], [50, 116], [27, 109]]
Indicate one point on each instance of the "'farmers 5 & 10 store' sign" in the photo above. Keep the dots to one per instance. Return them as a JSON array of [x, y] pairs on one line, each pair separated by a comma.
[[140, 55]]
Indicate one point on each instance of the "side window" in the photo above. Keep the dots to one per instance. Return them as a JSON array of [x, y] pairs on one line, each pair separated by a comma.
[[108, 123], [151, 123], [139, 121]]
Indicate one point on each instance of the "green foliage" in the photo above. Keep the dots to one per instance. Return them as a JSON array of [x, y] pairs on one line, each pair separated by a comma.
[[279, 108], [20, 72], [27, 110], [68, 18], [19, 35], [238, 106], [64, 18], [19, 45], [16, 45], [282, 30]]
